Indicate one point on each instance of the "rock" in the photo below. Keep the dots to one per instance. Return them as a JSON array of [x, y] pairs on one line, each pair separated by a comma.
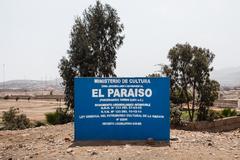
[[94, 153], [119, 158], [222, 149], [60, 143], [25, 135], [69, 150], [51, 140], [210, 144], [174, 139], [138, 152], [147, 148], [67, 139], [212, 153], [29, 148], [127, 146], [20, 146]]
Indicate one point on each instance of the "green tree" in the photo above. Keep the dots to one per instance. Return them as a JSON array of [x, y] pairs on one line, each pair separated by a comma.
[[200, 73], [67, 73], [207, 94], [189, 71], [95, 38], [180, 58]]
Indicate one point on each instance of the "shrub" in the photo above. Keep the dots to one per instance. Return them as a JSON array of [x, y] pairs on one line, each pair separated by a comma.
[[214, 115], [60, 116], [175, 115], [6, 97], [12, 120], [233, 113], [39, 124], [51, 117], [227, 112]]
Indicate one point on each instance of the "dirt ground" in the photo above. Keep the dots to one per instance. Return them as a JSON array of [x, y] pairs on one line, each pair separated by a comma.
[[34, 109], [56, 142]]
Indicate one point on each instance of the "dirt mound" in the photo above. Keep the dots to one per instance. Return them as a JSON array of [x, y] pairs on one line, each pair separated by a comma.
[[56, 142]]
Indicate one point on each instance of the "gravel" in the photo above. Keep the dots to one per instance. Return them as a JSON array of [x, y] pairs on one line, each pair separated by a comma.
[[56, 142]]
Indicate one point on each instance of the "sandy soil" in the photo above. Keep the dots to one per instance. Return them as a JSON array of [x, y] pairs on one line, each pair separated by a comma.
[[56, 142], [34, 109]]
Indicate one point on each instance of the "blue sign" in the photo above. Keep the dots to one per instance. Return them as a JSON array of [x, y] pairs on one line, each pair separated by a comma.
[[121, 109]]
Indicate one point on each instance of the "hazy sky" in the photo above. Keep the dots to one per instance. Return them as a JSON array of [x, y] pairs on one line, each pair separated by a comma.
[[34, 35]]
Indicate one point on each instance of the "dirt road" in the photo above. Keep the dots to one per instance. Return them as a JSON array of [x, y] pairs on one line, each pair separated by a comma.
[[56, 142]]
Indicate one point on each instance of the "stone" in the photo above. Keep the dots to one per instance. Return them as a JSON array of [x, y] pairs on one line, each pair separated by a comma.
[[127, 146], [147, 148], [174, 139], [20, 146], [210, 144], [222, 149], [67, 139], [69, 150], [94, 153], [9, 147], [29, 148], [25, 135], [212, 153], [138, 152]]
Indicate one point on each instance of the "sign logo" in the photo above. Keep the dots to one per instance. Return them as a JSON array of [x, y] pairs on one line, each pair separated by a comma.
[[121, 109]]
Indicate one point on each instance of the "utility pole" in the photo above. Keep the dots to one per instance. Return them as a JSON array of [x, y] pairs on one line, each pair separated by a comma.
[[42, 84], [3, 77]]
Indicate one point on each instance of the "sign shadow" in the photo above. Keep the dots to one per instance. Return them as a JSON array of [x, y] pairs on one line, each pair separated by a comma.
[[151, 143]]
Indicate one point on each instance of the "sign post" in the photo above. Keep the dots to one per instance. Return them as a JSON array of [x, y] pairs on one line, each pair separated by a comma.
[[128, 109]]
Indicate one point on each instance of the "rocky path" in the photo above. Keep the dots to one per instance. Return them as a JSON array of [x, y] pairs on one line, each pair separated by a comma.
[[55, 142]]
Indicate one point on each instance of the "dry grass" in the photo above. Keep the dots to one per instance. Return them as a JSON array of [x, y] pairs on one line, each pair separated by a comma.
[[34, 109]]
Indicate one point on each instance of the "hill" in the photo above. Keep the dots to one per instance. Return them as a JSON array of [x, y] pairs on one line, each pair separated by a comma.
[[229, 77], [32, 85]]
